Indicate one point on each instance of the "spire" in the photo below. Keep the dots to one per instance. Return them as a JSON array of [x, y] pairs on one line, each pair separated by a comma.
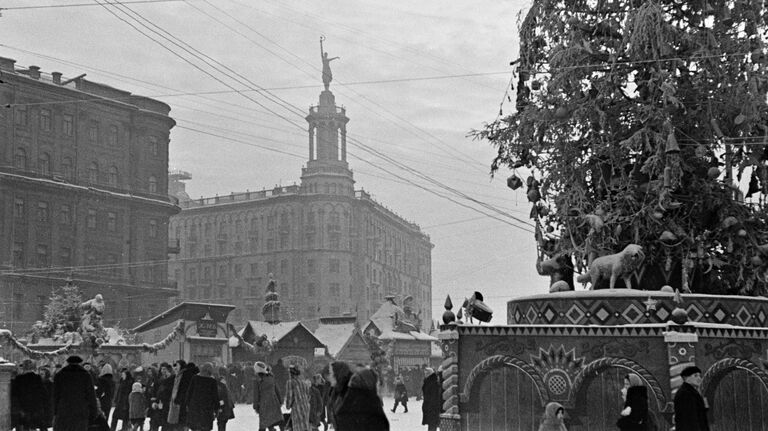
[[271, 308]]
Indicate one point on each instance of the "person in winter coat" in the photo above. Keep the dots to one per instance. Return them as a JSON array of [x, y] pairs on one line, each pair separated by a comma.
[[339, 374], [105, 389], [177, 408], [266, 398], [634, 416], [74, 400], [553, 418], [46, 409], [29, 396], [361, 408], [227, 410], [202, 400], [121, 400], [401, 394], [158, 414], [297, 399], [690, 406], [433, 399], [316, 402], [137, 407]]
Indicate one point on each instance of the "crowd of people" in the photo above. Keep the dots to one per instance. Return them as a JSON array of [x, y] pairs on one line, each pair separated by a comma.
[[183, 396]]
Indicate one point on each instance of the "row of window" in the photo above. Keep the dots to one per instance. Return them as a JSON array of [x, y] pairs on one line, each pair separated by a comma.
[[67, 170], [45, 124], [65, 216], [334, 267]]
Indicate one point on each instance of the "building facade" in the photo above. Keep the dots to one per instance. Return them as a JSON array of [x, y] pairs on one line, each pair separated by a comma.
[[332, 249], [84, 195]]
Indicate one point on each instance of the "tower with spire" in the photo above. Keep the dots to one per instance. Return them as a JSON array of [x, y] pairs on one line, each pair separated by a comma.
[[327, 170]]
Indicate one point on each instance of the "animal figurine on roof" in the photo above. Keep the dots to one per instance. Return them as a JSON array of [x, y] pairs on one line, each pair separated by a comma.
[[613, 266]]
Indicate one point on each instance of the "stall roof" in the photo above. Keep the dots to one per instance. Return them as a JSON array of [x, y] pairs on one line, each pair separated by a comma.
[[384, 319], [335, 336], [187, 311], [274, 331]]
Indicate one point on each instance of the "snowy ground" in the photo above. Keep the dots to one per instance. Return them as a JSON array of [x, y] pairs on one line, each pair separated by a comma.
[[247, 420]]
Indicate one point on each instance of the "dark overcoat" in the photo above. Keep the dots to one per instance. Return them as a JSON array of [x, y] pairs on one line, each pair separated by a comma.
[[227, 411], [267, 401], [433, 398], [361, 407], [105, 392], [690, 410], [30, 397], [121, 398], [74, 400], [202, 402]]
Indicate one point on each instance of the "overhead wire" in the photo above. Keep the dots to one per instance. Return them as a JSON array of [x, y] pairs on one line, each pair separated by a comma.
[[398, 164], [58, 6]]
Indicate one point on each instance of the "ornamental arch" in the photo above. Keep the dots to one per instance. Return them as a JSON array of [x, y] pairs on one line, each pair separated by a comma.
[[737, 392], [502, 393]]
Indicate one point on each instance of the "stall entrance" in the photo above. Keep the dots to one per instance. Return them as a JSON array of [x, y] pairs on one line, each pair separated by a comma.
[[503, 399], [738, 401]]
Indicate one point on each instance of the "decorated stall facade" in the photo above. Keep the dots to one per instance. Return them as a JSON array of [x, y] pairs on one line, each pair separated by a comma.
[[291, 343], [204, 337], [576, 347]]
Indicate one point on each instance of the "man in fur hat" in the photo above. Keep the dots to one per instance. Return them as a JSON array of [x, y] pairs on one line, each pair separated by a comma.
[[690, 407], [74, 400]]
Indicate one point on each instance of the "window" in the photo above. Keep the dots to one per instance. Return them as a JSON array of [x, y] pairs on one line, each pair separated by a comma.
[[283, 242], [90, 220], [41, 300], [334, 241], [270, 267], [311, 289], [270, 244], [68, 125], [238, 292], [111, 221], [333, 289], [42, 211], [207, 273], [114, 268], [113, 176], [283, 266], [65, 215], [192, 293], [18, 306], [254, 269], [311, 266], [112, 137], [152, 184], [66, 168], [20, 116], [93, 133], [42, 255], [153, 228], [65, 256], [154, 146], [334, 266], [238, 270], [45, 120], [192, 275], [44, 164], [222, 272], [334, 311], [93, 172], [20, 159], [18, 209], [18, 254]]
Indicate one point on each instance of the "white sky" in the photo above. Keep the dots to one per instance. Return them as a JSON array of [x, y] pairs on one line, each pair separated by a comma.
[[423, 123]]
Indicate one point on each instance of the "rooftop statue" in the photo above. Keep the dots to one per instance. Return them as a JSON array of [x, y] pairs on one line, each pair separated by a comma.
[[327, 75]]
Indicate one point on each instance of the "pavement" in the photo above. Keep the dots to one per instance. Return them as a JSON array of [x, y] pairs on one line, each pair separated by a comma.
[[247, 420]]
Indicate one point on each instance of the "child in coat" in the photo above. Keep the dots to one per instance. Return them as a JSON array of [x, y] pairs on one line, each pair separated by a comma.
[[137, 407]]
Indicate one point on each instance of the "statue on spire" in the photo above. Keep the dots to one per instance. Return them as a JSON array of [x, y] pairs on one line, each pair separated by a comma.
[[327, 75]]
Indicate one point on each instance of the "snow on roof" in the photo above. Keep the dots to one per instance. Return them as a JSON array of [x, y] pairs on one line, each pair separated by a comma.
[[274, 331], [334, 336], [384, 319], [437, 351]]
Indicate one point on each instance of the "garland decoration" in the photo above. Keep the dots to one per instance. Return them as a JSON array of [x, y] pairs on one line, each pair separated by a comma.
[[165, 342], [6, 337]]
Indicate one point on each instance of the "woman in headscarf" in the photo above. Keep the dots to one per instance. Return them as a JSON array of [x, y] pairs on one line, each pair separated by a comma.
[[202, 399], [339, 374], [266, 398], [121, 400], [553, 418], [297, 399], [105, 389], [634, 417], [361, 408]]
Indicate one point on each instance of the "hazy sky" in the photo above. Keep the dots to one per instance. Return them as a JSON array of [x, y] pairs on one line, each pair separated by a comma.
[[416, 77]]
